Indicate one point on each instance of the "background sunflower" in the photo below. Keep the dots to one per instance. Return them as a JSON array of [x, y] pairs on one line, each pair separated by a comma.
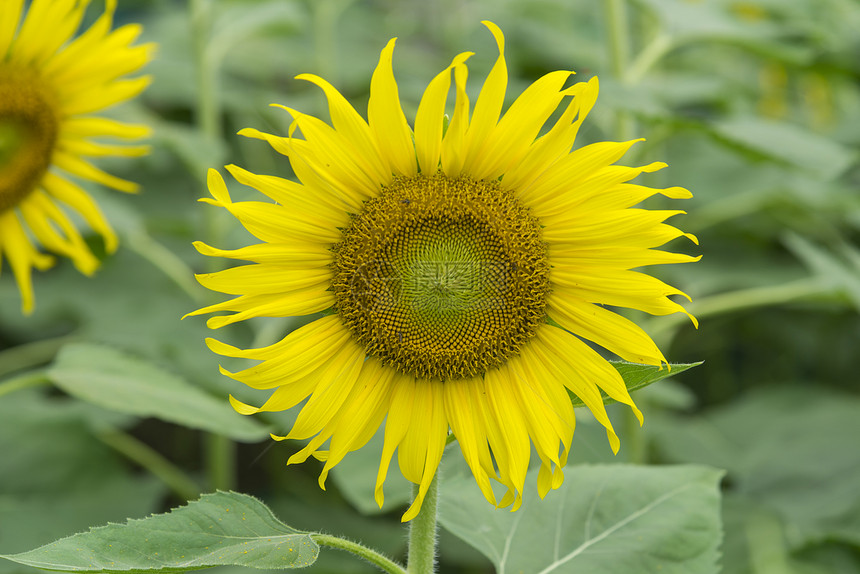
[[752, 104], [52, 81]]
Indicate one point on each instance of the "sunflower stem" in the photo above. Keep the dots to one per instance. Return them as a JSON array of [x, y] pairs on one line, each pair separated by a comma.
[[25, 381], [618, 34], [151, 460], [208, 114], [168, 263], [636, 441], [422, 532], [382, 562], [221, 462], [220, 450]]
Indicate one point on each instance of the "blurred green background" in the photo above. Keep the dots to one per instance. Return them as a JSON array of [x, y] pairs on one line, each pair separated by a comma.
[[754, 105]]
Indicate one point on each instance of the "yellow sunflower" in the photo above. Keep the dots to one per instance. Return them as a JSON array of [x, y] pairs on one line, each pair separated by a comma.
[[50, 84], [462, 267]]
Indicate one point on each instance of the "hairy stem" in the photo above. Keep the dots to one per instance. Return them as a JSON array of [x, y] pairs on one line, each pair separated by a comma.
[[382, 562], [422, 532]]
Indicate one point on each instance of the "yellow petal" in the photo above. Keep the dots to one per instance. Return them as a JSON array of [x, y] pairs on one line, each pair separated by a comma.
[[468, 425], [98, 97], [489, 103], [77, 166], [452, 153], [260, 278], [354, 129], [514, 433], [609, 330], [620, 288], [430, 429], [396, 426], [84, 127], [10, 15], [362, 414], [333, 153], [294, 254], [47, 26], [43, 218], [556, 349], [330, 393], [22, 256], [77, 199], [557, 142], [300, 302], [562, 182], [428, 120], [294, 195], [508, 142], [386, 118]]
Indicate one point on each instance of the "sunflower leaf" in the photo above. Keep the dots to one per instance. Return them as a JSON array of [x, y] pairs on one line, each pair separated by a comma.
[[638, 376], [223, 528], [123, 383], [603, 518]]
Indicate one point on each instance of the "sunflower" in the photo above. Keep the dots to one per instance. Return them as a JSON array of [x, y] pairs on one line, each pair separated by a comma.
[[50, 84], [461, 266]]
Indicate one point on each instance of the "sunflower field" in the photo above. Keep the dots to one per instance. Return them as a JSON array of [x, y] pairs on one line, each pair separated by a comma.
[[445, 286]]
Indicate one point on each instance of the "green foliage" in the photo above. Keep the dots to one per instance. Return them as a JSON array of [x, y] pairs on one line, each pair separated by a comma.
[[119, 382], [792, 463], [753, 104], [603, 518], [224, 528]]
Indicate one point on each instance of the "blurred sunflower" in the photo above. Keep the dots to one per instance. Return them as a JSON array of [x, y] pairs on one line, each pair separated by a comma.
[[461, 265], [49, 86]]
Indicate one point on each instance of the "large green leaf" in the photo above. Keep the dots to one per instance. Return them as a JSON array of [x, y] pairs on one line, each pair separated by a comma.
[[56, 477], [791, 448], [117, 381], [225, 528], [603, 518], [637, 376]]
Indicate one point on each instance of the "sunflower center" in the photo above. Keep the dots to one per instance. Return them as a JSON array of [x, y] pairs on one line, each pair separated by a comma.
[[442, 278], [28, 133]]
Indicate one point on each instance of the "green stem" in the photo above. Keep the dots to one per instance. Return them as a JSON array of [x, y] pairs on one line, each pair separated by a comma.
[[25, 381], [168, 263], [618, 35], [32, 354], [221, 462], [635, 441], [746, 299], [208, 114], [152, 461], [325, 16], [375, 558], [220, 451], [422, 532], [766, 544], [645, 60]]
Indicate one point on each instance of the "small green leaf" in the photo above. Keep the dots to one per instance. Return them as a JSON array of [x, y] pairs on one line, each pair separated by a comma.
[[117, 381], [637, 376], [603, 518], [224, 528]]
